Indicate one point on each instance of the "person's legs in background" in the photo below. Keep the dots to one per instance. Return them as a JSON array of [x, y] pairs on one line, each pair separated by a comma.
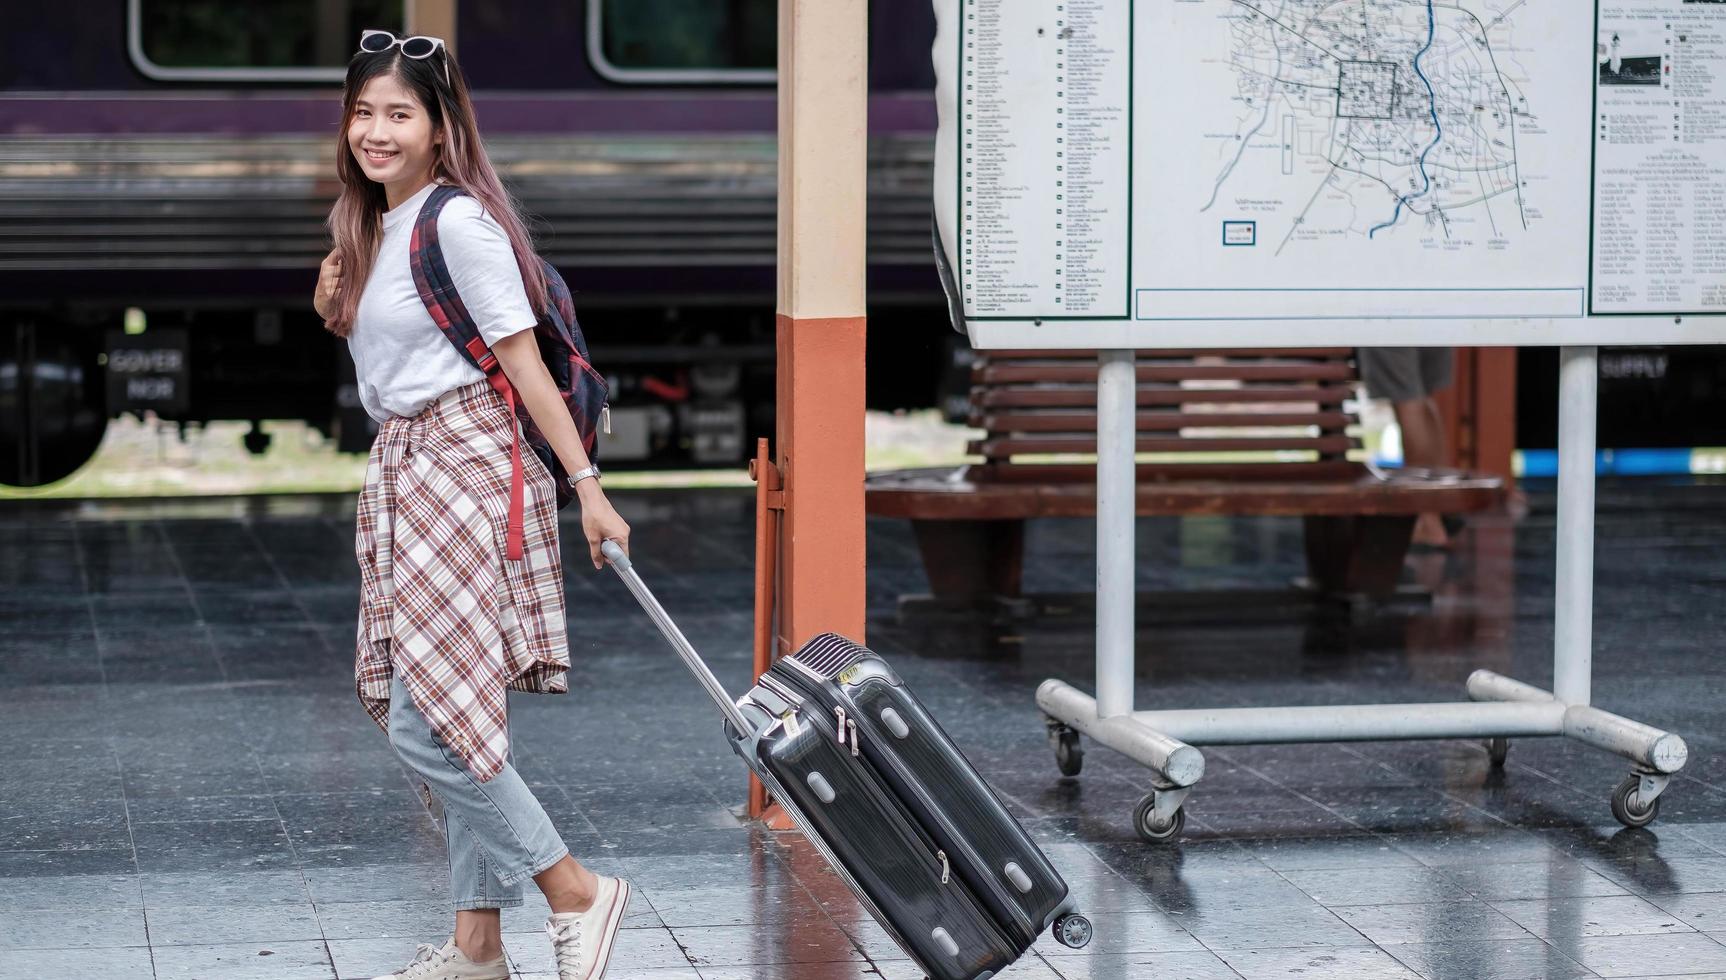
[[1423, 448], [1409, 377]]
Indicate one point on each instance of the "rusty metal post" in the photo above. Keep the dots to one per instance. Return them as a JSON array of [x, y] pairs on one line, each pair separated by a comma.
[[769, 506]]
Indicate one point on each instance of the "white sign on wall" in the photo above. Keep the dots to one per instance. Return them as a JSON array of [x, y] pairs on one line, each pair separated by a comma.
[[1114, 173]]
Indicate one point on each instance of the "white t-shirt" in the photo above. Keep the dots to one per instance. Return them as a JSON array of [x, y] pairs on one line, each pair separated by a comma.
[[402, 360]]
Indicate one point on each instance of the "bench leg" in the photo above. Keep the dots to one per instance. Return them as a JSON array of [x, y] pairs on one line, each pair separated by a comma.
[[972, 560], [1359, 555]]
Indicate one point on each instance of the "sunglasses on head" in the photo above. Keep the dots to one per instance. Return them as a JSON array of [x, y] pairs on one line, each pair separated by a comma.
[[418, 47]]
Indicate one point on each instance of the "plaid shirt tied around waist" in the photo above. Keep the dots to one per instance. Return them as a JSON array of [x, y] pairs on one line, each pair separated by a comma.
[[438, 600]]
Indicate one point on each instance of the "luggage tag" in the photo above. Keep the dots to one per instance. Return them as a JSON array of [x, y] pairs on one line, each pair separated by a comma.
[[793, 727]]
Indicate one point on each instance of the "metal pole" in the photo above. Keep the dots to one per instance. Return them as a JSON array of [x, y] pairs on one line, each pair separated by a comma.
[[1484, 685], [766, 477], [1177, 761], [1116, 440], [1644, 744], [625, 569], [1356, 722], [1573, 646]]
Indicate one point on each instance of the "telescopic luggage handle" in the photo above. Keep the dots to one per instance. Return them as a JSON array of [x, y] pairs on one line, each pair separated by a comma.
[[625, 570]]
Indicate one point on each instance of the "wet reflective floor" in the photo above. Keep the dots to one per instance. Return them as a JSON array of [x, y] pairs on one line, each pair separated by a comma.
[[191, 790]]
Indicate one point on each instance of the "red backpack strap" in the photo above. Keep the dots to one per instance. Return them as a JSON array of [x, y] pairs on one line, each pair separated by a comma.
[[513, 547], [438, 293]]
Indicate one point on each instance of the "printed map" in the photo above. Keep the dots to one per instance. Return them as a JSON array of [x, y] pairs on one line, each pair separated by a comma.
[[1370, 119]]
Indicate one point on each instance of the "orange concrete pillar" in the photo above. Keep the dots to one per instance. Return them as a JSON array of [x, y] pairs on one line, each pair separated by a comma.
[[823, 144]]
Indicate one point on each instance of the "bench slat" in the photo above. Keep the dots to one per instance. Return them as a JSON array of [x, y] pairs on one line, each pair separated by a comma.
[[1026, 445], [1085, 396], [1003, 472], [995, 374], [945, 494], [1192, 407], [1254, 353], [1163, 421]]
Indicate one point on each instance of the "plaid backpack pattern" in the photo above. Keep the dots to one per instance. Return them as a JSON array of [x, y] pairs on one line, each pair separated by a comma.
[[561, 346]]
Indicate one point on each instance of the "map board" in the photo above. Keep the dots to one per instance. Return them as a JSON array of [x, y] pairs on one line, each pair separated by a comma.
[[1119, 173]]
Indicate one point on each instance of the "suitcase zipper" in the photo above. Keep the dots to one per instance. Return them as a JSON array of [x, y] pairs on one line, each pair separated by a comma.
[[843, 725], [850, 724], [909, 779]]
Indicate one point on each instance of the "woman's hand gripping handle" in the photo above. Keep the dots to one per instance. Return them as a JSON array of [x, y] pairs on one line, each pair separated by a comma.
[[600, 522]]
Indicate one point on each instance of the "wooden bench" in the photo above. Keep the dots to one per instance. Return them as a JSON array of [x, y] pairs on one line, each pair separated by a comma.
[[1212, 417]]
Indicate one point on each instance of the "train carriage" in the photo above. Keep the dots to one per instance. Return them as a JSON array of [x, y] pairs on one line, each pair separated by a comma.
[[166, 167]]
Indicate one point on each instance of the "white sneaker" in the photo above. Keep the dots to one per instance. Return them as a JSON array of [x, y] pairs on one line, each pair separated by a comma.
[[582, 941], [449, 963]]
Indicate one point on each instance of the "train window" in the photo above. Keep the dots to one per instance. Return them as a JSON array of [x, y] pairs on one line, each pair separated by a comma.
[[683, 41], [260, 40]]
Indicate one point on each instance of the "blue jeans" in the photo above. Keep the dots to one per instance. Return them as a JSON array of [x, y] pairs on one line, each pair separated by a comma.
[[498, 834]]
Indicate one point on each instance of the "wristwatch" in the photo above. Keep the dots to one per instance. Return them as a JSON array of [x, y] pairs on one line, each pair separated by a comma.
[[582, 474]]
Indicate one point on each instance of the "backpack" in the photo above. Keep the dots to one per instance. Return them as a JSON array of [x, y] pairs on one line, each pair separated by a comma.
[[561, 346]]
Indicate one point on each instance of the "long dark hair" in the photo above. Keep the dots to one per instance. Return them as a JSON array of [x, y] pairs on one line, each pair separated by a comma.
[[356, 221]]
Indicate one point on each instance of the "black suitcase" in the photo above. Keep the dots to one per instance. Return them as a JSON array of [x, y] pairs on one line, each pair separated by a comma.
[[905, 821], [909, 751]]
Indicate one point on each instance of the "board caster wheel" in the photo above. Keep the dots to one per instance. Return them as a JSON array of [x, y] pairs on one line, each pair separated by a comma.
[[1073, 931], [1154, 829], [1627, 803], [1069, 754], [1496, 750]]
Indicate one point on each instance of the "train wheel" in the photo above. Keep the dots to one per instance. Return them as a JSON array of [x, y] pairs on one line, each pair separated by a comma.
[[53, 409]]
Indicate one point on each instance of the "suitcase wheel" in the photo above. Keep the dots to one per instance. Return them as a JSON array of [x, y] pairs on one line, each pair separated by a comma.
[[1073, 931]]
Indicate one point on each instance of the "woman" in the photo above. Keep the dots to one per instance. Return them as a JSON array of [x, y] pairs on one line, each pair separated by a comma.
[[448, 625]]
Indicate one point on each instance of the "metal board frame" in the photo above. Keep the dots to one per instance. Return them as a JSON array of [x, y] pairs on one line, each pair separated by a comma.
[[1499, 707], [1584, 328]]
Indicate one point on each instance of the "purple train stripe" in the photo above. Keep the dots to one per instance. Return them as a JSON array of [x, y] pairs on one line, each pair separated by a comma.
[[252, 113]]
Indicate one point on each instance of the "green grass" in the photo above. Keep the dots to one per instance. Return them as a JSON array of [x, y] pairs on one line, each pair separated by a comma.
[[149, 459]]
